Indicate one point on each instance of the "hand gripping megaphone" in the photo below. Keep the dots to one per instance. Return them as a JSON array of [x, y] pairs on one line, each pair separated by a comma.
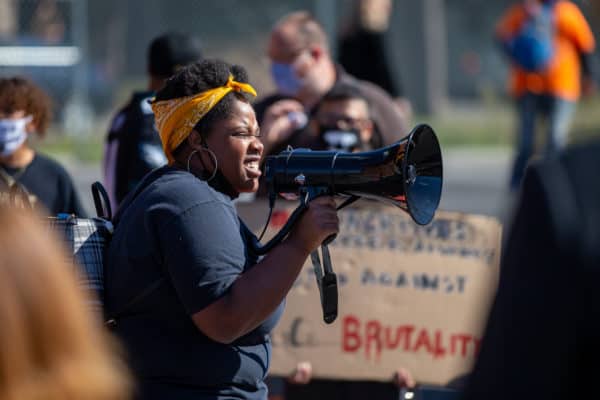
[[407, 174]]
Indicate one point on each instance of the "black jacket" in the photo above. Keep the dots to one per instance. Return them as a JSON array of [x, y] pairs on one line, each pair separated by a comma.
[[541, 340]]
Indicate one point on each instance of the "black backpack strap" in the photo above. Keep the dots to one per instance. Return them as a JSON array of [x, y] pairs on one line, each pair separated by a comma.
[[101, 201]]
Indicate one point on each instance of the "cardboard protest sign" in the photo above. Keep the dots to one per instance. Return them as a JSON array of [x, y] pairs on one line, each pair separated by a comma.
[[409, 295]]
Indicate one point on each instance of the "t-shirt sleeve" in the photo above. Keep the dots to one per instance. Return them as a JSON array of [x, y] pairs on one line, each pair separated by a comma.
[[204, 253], [573, 22]]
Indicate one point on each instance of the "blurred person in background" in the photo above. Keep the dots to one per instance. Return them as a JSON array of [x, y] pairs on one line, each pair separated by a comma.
[[549, 44], [303, 72], [51, 346], [133, 147], [362, 48], [541, 339], [342, 121], [202, 328], [24, 110], [48, 23]]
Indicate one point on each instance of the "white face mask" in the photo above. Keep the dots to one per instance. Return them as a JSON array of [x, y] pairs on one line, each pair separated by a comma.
[[13, 133]]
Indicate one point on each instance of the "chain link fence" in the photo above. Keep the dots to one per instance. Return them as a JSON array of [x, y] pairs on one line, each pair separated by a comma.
[[90, 54]]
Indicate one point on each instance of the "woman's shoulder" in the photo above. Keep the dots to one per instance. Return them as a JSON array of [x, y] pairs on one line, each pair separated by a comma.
[[181, 191], [167, 194]]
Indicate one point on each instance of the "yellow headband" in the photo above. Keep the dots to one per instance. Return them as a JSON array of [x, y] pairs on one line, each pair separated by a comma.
[[175, 118]]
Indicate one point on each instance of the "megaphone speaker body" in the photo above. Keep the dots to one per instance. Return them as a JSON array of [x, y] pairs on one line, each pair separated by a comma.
[[407, 174]]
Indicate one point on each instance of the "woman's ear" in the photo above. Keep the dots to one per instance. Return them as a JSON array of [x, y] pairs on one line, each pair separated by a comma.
[[195, 140]]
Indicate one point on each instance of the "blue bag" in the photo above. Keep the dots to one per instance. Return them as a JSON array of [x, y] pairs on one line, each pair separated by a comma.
[[533, 46]]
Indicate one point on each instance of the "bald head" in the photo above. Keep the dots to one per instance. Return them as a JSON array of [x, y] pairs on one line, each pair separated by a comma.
[[295, 32], [303, 28], [301, 64]]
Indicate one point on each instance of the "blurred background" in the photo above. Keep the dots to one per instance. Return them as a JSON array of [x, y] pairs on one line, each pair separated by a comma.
[[90, 54]]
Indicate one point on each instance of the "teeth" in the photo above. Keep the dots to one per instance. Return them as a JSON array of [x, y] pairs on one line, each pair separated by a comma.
[[252, 165]]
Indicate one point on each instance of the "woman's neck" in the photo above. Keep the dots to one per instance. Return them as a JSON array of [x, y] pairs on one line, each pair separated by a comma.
[[219, 182], [20, 158]]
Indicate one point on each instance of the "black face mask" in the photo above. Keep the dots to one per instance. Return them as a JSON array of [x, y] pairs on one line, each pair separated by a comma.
[[334, 138]]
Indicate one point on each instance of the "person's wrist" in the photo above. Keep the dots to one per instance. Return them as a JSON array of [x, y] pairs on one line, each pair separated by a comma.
[[299, 246]]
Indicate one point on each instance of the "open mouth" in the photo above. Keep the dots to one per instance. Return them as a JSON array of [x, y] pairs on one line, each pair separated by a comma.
[[252, 165]]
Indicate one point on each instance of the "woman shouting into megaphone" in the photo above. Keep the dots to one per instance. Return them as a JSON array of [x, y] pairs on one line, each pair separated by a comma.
[[201, 328]]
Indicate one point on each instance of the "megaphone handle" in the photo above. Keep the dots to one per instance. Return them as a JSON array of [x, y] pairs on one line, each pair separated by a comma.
[[327, 284], [329, 297]]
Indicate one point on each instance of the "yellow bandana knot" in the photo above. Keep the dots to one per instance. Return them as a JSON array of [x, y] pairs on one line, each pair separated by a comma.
[[175, 118]]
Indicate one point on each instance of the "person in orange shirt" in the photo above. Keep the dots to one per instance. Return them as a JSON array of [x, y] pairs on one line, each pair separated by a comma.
[[552, 89]]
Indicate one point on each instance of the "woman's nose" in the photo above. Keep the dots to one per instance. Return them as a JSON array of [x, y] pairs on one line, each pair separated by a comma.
[[257, 145]]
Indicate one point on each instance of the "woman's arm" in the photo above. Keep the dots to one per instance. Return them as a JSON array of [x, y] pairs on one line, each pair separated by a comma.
[[258, 292]]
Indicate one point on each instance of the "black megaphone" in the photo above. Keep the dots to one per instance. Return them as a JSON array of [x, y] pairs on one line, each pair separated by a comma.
[[407, 174]]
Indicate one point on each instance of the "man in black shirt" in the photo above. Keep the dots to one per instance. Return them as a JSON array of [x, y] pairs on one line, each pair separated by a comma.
[[133, 147]]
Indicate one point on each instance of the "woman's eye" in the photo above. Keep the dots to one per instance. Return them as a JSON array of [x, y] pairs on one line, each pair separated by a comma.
[[246, 135]]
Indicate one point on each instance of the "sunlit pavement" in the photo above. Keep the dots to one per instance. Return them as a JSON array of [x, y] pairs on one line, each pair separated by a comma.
[[475, 180]]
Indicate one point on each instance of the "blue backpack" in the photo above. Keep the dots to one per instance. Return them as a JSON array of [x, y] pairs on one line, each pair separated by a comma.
[[533, 46]]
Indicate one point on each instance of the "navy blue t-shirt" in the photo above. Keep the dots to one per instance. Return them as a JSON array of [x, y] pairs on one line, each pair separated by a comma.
[[180, 228]]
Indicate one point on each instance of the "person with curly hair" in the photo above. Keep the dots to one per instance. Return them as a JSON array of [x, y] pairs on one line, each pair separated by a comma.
[[51, 346], [204, 303], [26, 109]]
